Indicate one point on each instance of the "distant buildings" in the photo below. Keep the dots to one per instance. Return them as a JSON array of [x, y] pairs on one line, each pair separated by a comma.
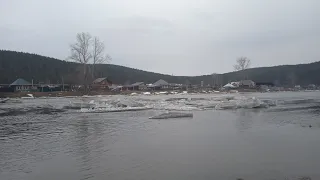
[[297, 87], [158, 85], [105, 84], [312, 87]]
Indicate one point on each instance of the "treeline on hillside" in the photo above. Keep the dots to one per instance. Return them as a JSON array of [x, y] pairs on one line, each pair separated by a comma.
[[15, 65]]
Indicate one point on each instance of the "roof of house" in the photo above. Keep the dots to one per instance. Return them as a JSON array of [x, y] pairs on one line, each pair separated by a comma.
[[99, 80], [246, 82], [161, 82], [20, 82], [235, 83], [229, 85], [137, 84], [134, 84]]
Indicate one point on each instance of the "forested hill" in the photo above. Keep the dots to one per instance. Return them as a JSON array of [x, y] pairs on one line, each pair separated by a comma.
[[15, 65]]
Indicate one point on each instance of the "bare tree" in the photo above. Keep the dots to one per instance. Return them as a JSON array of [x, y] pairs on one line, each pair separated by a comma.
[[242, 64], [80, 52], [98, 55], [88, 50]]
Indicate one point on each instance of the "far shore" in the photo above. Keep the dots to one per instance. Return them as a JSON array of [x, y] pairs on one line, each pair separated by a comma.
[[52, 94], [96, 93], [79, 93]]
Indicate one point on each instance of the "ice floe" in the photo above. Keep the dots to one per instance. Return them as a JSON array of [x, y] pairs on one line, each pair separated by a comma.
[[169, 115]]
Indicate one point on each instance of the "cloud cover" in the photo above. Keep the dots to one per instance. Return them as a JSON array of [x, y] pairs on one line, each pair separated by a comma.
[[179, 37]]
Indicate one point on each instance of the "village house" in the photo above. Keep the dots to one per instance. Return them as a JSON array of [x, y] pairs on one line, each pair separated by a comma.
[[21, 85], [175, 86], [311, 87], [137, 86], [160, 84], [246, 84], [101, 84]]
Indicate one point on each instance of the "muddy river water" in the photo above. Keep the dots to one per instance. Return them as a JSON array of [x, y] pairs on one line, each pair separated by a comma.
[[41, 139]]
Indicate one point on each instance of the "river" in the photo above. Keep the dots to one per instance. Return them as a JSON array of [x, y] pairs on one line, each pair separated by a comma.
[[278, 143]]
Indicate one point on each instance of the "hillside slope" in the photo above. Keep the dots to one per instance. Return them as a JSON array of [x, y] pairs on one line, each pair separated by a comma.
[[44, 69]]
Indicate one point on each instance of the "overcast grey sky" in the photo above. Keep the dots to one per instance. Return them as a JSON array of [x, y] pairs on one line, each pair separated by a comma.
[[180, 37]]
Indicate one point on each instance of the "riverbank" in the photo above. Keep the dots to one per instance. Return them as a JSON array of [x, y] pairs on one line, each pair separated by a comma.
[[53, 94], [94, 93]]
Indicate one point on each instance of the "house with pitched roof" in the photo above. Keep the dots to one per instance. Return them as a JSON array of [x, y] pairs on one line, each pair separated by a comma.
[[101, 83], [247, 83], [137, 86], [160, 84], [21, 85]]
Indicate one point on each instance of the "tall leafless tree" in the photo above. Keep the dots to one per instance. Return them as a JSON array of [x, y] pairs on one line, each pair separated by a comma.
[[88, 50], [81, 53], [242, 64], [98, 48], [98, 55]]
